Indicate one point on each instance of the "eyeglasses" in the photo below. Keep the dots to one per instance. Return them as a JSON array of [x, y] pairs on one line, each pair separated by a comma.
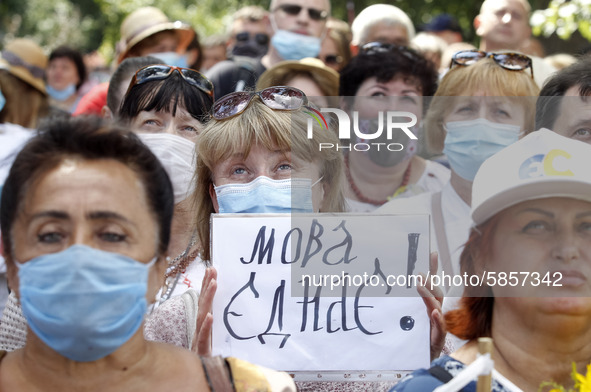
[[509, 60], [294, 9], [276, 98], [260, 38], [373, 48], [159, 72]]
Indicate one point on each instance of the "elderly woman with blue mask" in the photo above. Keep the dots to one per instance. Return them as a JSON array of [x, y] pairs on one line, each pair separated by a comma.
[[255, 153], [86, 213], [481, 106]]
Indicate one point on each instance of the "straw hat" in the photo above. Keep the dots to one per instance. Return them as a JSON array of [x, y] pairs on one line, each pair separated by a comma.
[[25, 59], [277, 73], [147, 21]]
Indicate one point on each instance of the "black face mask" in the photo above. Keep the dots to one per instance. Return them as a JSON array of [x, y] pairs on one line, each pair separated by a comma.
[[248, 46]]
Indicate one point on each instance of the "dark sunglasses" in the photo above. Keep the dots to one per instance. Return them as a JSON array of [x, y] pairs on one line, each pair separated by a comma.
[[276, 98], [294, 9], [159, 72], [332, 59], [510, 61], [260, 38], [373, 48]]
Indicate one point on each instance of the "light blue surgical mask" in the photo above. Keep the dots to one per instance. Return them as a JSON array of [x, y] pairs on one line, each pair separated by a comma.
[[61, 95], [2, 101], [469, 143], [265, 195], [172, 58], [84, 302], [293, 46]]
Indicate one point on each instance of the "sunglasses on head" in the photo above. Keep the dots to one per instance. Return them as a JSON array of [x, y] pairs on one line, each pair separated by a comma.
[[510, 61], [260, 38], [373, 48], [294, 9], [159, 72], [276, 98]]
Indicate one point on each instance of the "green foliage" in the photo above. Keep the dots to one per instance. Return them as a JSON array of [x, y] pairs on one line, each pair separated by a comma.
[[94, 24], [50, 23], [206, 16], [563, 18]]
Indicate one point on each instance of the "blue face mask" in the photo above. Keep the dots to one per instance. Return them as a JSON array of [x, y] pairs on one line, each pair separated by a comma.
[[293, 46], [61, 95], [469, 143], [172, 58], [2, 101], [264, 195], [83, 302]]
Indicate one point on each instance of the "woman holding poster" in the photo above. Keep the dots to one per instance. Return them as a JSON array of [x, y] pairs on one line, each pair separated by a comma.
[[255, 156]]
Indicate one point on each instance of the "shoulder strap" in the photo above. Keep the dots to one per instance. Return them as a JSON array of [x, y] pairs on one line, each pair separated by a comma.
[[217, 374], [440, 234], [440, 373]]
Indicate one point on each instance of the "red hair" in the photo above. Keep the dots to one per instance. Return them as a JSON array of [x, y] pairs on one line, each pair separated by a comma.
[[474, 317]]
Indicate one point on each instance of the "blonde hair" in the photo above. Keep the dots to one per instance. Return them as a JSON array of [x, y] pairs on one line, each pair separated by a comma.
[[274, 130], [465, 81]]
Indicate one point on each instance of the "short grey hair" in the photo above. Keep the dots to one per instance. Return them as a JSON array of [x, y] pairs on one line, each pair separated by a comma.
[[380, 13]]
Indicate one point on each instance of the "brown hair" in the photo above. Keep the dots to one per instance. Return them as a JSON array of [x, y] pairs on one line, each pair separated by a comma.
[[274, 130], [465, 81]]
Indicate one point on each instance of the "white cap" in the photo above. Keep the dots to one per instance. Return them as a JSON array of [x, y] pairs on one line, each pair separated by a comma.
[[542, 164]]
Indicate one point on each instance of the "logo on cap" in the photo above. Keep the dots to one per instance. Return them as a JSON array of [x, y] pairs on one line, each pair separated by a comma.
[[554, 163]]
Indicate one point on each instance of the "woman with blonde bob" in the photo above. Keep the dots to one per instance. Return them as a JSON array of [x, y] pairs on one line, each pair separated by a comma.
[[256, 131], [482, 105]]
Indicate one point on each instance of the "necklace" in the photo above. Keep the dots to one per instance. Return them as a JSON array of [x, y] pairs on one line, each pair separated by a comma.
[[176, 266], [364, 199]]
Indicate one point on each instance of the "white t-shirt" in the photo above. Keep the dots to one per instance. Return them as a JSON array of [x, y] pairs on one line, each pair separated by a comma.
[[12, 139], [434, 177], [456, 217]]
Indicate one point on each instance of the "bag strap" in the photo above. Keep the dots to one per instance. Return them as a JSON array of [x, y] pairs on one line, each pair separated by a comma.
[[440, 373], [217, 374], [440, 234]]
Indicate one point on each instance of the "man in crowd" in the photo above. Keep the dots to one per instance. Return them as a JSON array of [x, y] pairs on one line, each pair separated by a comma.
[[297, 29], [504, 25], [563, 105], [384, 23]]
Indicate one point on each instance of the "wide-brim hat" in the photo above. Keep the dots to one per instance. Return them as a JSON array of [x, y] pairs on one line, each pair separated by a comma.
[[147, 21], [24, 59], [543, 164], [277, 73]]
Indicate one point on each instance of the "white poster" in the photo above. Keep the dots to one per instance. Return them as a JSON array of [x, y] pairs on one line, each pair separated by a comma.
[[321, 293]]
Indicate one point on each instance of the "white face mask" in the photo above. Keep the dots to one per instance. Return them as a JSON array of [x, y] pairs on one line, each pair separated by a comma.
[[177, 155]]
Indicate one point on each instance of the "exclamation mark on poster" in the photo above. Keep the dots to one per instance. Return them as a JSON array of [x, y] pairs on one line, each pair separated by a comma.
[[413, 246]]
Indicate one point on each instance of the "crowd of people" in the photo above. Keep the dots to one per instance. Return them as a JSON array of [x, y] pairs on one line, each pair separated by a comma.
[[118, 181]]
